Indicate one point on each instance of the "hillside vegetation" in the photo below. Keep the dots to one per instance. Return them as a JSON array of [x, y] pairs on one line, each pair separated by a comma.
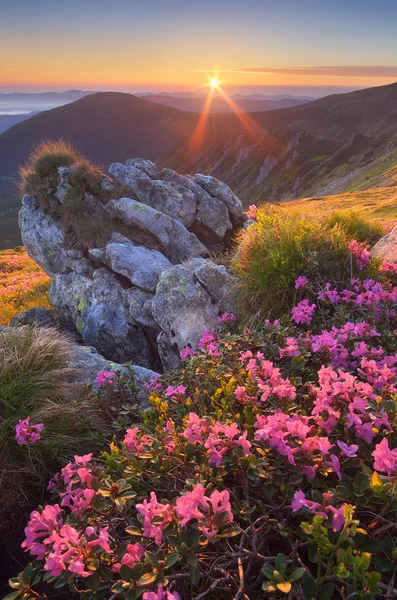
[[23, 284], [376, 203]]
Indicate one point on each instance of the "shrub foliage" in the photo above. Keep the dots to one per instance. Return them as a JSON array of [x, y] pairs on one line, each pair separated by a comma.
[[267, 467], [283, 244]]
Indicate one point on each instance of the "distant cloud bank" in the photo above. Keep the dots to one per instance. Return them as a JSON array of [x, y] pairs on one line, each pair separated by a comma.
[[337, 71]]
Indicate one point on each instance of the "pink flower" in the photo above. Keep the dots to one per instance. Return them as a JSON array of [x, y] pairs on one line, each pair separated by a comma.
[[349, 451], [156, 517], [338, 519], [105, 378], [131, 557], [385, 459], [186, 353], [161, 594], [301, 282], [226, 318], [361, 254], [303, 312], [252, 212], [174, 393], [26, 434]]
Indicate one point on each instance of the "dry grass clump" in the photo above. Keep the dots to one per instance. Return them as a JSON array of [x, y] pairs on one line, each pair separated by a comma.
[[23, 284], [285, 244], [40, 172], [35, 382]]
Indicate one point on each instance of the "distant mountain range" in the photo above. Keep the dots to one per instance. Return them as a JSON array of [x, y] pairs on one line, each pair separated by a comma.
[[7, 121], [219, 105], [339, 143]]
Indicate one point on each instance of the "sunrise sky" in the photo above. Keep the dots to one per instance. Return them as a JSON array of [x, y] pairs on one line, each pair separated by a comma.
[[153, 45]]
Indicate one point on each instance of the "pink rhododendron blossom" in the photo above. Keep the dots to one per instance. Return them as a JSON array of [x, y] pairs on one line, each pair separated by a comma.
[[105, 378], [226, 318], [161, 594], [385, 460], [209, 342], [131, 557], [302, 313], [360, 253], [186, 353], [252, 212], [134, 441], [350, 451], [156, 517], [27, 434], [175, 393], [301, 282], [195, 505]]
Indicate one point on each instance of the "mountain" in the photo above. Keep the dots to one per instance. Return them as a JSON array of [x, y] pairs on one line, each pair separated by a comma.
[[7, 121], [219, 105], [24, 102], [341, 143], [106, 126]]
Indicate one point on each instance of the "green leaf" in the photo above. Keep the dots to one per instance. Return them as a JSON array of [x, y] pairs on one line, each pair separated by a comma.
[[281, 564], [297, 574], [147, 578], [125, 572], [326, 591], [309, 587], [12, 596], [268, 571], [195, 575], [172, 559], [134, 530], [192, 560]]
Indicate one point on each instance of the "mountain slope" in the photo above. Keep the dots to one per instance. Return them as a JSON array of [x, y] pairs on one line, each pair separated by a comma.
[[219, 105], [342, 142], [7, 121], [104, 126]]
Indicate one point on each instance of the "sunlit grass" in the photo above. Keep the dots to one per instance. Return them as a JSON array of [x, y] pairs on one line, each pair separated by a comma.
[[23, 284]]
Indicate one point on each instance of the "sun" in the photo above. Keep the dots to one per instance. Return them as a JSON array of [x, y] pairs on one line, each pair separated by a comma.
[[214, 83]]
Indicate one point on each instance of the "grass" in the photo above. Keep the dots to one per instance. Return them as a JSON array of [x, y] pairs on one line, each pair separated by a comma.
[[288, 242], [35, 381], [23, 284], [39, 178], [379, 204]]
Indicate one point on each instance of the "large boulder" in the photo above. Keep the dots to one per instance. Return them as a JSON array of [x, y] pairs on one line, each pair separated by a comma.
[[189, 300], [386, 248], [145, 289]]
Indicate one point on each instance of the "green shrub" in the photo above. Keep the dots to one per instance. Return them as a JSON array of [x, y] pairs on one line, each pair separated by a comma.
[[265, 468], [285, 244], [357, 226]]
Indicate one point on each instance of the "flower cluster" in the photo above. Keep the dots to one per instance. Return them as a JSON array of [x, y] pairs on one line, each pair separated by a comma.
[[27, 434], [267, 439], [361, 254]]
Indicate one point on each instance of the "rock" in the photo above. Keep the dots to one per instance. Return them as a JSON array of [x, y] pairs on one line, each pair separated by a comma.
[[188, 300], [42, 237], [140, 265], [144, 165], [211, 223], [34, 316], [168, 197], [100, 310], [63, 184], [88, 363], [127, 299], [386, 248], [177, 243], [107, 185], [223, 192]]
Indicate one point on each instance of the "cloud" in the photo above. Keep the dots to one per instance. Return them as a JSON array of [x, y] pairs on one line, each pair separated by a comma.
[[336, 71]]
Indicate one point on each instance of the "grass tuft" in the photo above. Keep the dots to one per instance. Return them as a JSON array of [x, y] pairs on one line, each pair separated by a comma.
[[286, 243]]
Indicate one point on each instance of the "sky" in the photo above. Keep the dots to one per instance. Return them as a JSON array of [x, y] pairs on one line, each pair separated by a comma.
[[169, 45]]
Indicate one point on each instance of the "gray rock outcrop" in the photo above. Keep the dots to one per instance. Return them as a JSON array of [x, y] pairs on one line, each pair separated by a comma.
[[149, 289], [386, 248]]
